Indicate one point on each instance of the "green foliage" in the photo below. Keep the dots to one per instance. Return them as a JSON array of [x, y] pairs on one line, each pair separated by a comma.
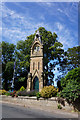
[[73, 55], [71, 92], [7, 75], [71, 85], [19, 82], [22, 88], [7, 52], [13, 94], [7, 63], [3, 92], [59, 85], [9, 70], [7, 93], [49, 91], [52, 51], [23, 61], [48, 40], [59, 106], [72, 76], [38, 94], [70, 60], [21, 79]]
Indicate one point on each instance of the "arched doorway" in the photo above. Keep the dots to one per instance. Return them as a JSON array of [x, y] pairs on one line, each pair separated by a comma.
[[36, 84]]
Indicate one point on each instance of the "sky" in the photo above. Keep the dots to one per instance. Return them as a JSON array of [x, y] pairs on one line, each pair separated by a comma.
[[21, 19]]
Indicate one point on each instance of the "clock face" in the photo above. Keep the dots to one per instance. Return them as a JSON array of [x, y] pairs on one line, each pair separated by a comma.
[[36, 48]]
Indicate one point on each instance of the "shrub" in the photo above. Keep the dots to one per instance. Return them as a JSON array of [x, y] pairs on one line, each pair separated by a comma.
[[38, 95], [13, 94], [25, 93], [7, 93], [71, 92], [49, 91], [22, 93], [22, 88], [3, 92], [59, 106], [71, 85], [0, 92], [32, 93], [73, 75], [71, 88]]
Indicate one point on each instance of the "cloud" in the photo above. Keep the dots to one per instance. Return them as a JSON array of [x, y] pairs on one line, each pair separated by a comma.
[[59, 26], [18, 26], [48, 4], [66, 9], [71, 11], [65, 36], [13, 34], [42, 17], [60, 10]]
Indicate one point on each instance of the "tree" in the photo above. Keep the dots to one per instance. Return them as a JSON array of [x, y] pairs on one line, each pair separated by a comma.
[[70, 60], [19, 82], [73, 56], [52, 51], [53, 54], [8, 75], [71, 86], [23, 60], [7, 63]]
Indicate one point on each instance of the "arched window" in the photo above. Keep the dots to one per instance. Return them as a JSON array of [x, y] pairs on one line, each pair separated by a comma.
[[33, 65], [38, 65]]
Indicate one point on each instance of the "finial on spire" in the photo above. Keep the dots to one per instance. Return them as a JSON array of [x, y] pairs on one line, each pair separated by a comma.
[[37, 33], [37, 36]]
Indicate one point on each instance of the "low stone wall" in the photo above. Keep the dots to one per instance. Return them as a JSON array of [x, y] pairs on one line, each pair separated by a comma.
[[33, 102]]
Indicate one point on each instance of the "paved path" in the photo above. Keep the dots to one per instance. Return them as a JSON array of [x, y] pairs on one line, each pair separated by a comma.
[[15, 111]]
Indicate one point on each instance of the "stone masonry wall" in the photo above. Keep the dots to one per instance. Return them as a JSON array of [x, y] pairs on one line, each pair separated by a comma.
[[33, 102]]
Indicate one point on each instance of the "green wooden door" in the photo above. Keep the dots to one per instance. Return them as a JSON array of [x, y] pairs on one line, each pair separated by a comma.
[[36, 84]]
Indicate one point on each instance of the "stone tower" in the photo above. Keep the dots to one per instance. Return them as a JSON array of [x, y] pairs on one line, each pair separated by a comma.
[[35, 77]]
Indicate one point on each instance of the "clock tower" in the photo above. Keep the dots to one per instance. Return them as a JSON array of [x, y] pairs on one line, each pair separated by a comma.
[[35, 77]]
